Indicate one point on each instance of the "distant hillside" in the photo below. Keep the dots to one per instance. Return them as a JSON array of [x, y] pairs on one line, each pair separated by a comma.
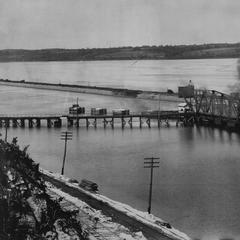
[[219, 50]]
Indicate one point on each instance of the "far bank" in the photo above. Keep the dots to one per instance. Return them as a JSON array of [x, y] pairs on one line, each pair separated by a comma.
[[169, 96]]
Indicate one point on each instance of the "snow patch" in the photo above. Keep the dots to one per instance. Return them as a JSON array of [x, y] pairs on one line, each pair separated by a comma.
[[148, 219]]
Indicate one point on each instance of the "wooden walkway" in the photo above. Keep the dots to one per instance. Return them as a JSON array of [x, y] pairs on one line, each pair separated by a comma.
[[88, 120]]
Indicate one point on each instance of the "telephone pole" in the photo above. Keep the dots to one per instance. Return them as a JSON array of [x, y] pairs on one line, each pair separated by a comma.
[[6, 131], [151, 163], [65, 136], [77, 123], [159, 98]]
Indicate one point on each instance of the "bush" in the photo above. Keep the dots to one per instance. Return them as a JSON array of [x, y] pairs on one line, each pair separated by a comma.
[[26, 210]]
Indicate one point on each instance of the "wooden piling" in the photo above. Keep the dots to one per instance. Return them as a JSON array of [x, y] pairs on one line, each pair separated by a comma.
[[14, 123], [112, 123], [30, 122], [123, 122], [130, 122], [159, 122], [95, 123], [148, 121], [70, 122], [22, 122], [38, 122], [104, 122], [87, 122], [7, 123], [49, 123], [77, 123], [57, 123]]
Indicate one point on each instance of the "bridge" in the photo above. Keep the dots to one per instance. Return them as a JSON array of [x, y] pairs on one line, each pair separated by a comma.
[[162, 118], [214, 108], [207, 107]]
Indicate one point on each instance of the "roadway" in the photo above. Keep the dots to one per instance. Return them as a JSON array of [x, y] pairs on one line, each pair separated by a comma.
[[117, 216]]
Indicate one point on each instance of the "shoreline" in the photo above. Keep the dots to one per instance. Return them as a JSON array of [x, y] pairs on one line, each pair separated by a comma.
[[119, 212], [105, 91], [121, 59]]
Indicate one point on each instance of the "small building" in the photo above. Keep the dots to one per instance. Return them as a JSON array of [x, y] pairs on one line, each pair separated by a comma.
[[76, 109], [151, 112], [186, 91], [98, 111], [121, 111]]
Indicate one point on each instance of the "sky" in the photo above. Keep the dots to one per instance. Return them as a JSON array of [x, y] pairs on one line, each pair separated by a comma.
[[32, 24]]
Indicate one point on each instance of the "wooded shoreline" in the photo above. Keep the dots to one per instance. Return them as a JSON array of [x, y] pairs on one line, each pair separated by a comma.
[[202, 51]]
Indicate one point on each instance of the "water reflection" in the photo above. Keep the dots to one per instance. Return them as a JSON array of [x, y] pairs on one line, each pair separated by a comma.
[[197, 185]]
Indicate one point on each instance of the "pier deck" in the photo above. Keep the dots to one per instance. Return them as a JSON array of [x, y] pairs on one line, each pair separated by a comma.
[[56, 120]]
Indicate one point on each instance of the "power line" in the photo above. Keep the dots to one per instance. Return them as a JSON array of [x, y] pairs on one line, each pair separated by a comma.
[[151, 163]]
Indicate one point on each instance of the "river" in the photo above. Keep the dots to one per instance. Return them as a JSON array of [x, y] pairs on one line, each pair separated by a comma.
[[196, 187]]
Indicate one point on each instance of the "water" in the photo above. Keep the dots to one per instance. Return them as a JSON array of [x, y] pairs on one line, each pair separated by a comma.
[[146, 75], [196, 187]]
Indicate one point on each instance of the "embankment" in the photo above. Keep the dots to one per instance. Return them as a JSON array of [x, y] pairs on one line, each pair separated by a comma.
[[116, 92], [152, 227]]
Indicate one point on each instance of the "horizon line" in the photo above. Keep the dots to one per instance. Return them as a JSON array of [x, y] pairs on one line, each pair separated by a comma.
[[151, 46]]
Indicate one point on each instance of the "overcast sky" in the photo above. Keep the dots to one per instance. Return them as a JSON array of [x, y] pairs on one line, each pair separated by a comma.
[[110, 23]]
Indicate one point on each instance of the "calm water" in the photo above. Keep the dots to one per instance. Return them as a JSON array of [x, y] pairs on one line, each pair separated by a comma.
[[148, 75], [196, 187]]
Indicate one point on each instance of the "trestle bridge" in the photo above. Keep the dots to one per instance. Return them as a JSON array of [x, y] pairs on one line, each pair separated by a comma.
[[88, 120], [205, 107], [214, 108]]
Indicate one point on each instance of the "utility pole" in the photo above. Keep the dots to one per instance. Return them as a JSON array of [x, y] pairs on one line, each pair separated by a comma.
[[65, 136], [151, 163], [159, 109], [77, 123], [159, 98], [6, 130]]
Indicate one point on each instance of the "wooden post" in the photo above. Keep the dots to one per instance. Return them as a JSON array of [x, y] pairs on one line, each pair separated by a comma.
[[148, 121], [87, 123], [7, 123], [38, 122], [77, 122], [22, 124], [104, 122], [30, 122], [123, 122], [70, 122], [14, 123], [112, 123], [130, 122], [49, 123], [95, 123], [58, 123]]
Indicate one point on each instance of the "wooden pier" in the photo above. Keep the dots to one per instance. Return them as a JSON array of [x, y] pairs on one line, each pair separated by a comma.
[[30, 121], [142, 120], [88, 120]]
